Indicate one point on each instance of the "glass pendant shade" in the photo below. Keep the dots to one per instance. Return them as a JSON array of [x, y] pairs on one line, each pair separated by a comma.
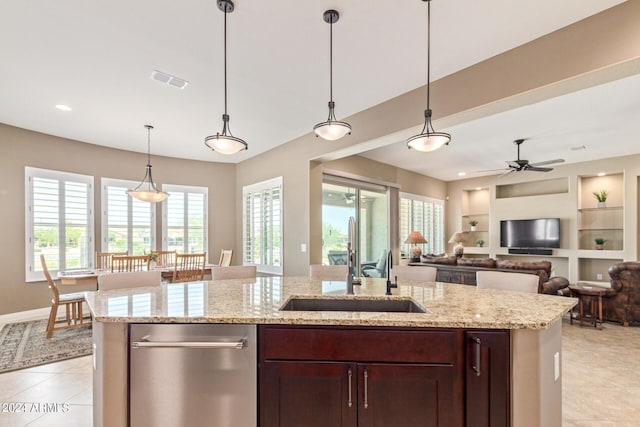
[[332, 130], [225, 144], [147, 191]]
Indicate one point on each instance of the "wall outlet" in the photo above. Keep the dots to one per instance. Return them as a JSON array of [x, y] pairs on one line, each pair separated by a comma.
[[599, 276], [556, 366], [303, 247]]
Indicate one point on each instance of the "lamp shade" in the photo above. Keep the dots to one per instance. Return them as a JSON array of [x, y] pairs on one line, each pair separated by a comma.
[[332, 130], [153, 196], [225, 144], [415, 237], [457, 238], [427, 142]]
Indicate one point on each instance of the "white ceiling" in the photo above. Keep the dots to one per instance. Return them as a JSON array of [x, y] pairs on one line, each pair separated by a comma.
[[97, 57]]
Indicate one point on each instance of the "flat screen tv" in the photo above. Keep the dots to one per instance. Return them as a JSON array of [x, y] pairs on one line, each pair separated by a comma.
[[530, 233]]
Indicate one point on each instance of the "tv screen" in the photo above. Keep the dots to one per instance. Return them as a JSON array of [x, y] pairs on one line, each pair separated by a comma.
[[530, 233]]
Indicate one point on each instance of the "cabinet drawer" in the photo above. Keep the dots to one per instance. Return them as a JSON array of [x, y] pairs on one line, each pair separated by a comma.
[[361, 344]]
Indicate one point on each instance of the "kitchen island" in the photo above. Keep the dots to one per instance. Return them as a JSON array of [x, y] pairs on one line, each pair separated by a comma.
[[467, 340]]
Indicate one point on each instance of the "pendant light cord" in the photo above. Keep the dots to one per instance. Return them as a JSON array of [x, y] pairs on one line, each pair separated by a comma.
[[148, 145], [225, 61], [331, 61], [428, 50]]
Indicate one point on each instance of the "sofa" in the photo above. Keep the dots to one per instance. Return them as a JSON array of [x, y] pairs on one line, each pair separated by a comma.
[[463, 270], [622, 303]]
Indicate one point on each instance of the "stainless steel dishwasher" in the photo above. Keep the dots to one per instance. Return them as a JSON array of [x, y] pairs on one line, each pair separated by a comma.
[[192, 375]]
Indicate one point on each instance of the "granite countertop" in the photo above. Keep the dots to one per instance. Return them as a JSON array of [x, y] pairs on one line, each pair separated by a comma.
[[258, 301]]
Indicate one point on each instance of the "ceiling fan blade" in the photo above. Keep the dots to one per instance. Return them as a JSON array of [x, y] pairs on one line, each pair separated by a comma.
[[507, 172], [513, 164], [537, 169], [493, 170], [547, 162]]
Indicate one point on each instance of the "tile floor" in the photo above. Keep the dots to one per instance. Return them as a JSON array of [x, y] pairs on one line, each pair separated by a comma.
[[601, 383]]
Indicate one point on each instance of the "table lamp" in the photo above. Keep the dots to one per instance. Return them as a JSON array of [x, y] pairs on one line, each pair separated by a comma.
[[415, 237], [458, 239]]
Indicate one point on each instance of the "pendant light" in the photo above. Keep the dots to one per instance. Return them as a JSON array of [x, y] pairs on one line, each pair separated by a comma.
[[225, 142], [428, 139], [332, 129], [147, 191]]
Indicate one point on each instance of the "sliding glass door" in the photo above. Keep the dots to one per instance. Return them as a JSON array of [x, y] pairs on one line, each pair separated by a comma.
[[368, 204]]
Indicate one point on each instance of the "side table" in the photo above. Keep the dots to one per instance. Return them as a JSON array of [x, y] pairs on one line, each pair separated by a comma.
[[593, 295]]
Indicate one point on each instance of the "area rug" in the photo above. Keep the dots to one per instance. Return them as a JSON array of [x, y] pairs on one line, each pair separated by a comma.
[[23, 345]]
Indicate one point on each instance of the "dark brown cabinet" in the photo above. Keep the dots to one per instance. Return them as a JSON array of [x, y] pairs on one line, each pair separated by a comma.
[[349, 376], [488, 378]]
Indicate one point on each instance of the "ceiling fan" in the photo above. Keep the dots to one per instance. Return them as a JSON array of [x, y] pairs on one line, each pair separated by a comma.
[[519, 165]]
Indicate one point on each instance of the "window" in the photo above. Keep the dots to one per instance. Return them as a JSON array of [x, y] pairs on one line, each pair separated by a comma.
[[59, 221], [423, 214], [128, 224], [184, 225], [262, 225]]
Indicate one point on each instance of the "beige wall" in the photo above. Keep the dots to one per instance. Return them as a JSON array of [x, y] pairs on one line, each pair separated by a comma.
[[20, 148]]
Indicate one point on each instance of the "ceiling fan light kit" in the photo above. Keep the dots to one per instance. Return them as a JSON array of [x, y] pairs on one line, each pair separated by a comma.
[[331, 129], [225, 142], [428, 140]]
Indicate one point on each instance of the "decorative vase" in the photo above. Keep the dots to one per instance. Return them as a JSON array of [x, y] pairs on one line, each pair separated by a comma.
[[602, 204], [152, 265], [473, 228], [599, 247]]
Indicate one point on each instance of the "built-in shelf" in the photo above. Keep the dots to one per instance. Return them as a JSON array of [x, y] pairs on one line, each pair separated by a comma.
[[601, 222], [533, 188]]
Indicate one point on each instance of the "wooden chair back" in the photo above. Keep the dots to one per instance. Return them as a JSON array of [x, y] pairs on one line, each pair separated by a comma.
[[103, 259], [129, 263], [74, 317], [328, 272], [226, 255], [234, 272], [520, 282], [407, 272], [129, 279], [166, 258], [189, 267]]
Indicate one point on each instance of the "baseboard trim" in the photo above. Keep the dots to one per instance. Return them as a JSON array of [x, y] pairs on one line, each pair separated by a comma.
[[22, 316]]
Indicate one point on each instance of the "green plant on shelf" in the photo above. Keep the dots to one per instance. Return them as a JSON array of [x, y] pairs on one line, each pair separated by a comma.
[[480, 243], [599, 241], [473, 223], [601, 195]]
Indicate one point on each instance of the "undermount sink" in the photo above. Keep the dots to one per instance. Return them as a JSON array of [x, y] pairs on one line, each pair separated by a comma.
[[353, 304]]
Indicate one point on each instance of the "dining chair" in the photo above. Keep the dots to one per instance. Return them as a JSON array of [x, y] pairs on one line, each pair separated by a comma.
[[103, 259], [166, 258], [520, 282], [234, 272], [189, 267], [328, 272], [225, 257], [407, 272], [72, 303], [129, 263], [129, 279]]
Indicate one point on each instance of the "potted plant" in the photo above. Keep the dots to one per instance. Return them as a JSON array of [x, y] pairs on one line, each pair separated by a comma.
[[153, 260], [599, 243], [473, 224], [480, 243], [601, 196]]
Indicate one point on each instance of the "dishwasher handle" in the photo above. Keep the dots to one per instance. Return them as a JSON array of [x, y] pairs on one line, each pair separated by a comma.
[[235, 345]]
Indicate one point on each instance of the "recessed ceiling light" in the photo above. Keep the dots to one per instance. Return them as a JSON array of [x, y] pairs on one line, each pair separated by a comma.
[[478, 188], [63, 107], [601, 174], [462, 173]]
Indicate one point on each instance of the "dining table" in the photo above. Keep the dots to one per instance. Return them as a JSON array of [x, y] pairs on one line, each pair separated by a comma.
[[90, 277]]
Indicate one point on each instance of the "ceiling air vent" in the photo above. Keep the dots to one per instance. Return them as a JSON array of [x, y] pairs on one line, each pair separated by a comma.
[[168, 79]]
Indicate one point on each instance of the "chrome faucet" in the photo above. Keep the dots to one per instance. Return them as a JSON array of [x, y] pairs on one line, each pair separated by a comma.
[[389, 266]]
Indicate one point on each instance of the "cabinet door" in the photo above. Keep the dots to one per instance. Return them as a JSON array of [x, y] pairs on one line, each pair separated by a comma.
[[309, 394], [408, 396], [487, 378]]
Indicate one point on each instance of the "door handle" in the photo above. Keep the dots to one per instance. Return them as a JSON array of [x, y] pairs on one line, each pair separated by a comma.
[[236, 345], [350, 401], [366, 399], [477, 354]]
